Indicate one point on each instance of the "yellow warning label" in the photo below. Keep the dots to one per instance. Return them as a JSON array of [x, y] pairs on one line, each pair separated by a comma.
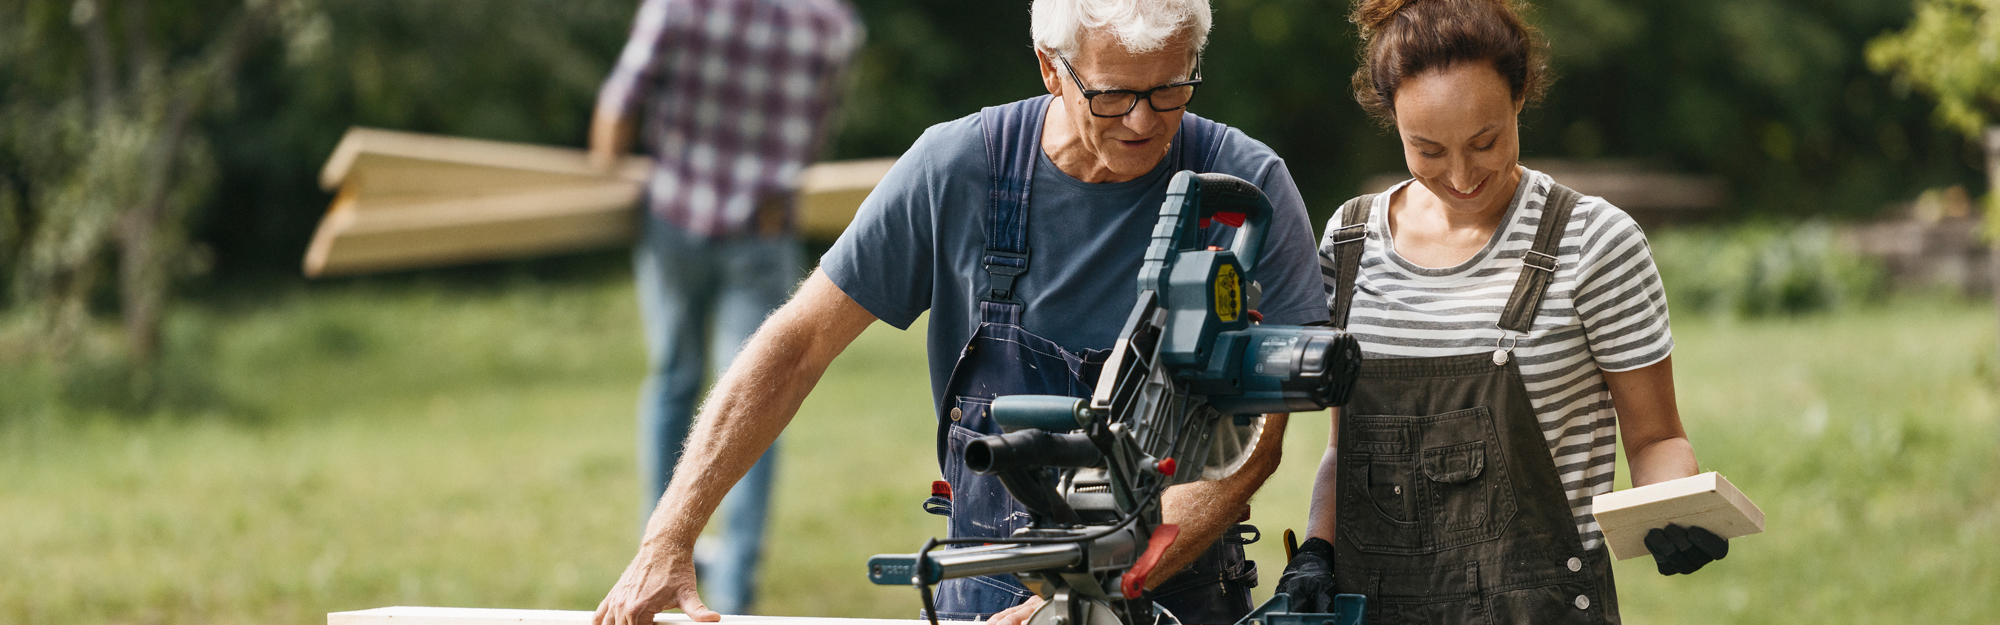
[[1228, 297]]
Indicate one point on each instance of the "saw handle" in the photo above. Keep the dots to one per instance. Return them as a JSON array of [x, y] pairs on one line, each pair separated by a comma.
[[1236, 202]]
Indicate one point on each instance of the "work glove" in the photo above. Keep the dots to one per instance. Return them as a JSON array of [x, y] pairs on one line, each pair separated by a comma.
[[1308, 577], [1684, 550]]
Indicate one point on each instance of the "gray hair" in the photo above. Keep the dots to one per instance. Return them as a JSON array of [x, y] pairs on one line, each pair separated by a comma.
[[1141, 26]]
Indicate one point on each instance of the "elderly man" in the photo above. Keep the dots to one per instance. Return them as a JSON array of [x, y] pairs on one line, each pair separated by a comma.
[[1021, 230]]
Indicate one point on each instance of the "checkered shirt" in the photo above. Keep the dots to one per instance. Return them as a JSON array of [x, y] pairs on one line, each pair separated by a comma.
[[738, 95]]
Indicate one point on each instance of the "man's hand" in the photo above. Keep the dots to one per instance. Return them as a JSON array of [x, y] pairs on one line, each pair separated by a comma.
[[1017, 615], [1684, 550], [610, 138], [653, 583], [1308, 577]]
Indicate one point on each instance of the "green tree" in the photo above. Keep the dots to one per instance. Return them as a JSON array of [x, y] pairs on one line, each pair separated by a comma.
[[105, 155], [1951, 51]]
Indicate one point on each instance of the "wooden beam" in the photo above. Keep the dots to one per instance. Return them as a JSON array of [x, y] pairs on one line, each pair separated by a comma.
[[408, 200], [484, 616]]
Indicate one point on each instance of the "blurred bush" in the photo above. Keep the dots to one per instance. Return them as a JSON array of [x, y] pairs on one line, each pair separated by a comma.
[[1762, 270]]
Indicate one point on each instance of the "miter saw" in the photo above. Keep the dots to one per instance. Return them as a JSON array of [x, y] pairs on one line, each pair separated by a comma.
[[1181, 399]]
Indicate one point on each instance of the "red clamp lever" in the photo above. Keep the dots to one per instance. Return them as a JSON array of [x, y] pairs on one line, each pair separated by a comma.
[[1227, 217], [1134, 581]]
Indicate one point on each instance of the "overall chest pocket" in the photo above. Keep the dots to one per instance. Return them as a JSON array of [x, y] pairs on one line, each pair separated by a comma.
[[1468, 494]]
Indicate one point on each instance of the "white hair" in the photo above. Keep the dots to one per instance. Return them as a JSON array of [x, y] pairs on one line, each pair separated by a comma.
[[1141, 26]]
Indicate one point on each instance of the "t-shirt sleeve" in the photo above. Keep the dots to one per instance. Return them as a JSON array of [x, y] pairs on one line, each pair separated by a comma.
[[885, 257], [1619, 297], [1289, 265], [639, 63]]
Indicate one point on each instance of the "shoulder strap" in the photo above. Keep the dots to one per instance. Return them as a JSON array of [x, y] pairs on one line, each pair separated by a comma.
[[1538, 264], [1346, 247], [1013, 134], [1198, 143]]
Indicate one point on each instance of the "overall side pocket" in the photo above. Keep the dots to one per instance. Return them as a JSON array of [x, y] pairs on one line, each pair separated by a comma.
[[980, 504], [1378, 511]]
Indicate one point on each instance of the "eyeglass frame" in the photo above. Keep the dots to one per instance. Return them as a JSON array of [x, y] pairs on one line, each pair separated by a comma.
[[1090, 95]]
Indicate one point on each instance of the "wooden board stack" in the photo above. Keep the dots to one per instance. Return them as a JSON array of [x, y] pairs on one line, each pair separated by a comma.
[[407, 200], [481, 616], [1705, 500]]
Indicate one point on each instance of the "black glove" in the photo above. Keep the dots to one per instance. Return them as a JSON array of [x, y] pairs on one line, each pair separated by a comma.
[[1308, 577], [1684, 550]]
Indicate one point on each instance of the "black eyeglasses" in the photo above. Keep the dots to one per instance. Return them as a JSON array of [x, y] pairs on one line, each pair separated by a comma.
[[1120, 102]]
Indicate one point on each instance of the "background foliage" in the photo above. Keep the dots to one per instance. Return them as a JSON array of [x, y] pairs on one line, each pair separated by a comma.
[[1773, 94]]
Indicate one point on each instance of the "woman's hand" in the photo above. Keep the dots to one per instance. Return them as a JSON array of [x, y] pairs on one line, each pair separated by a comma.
[[1308, 578], [1684, 550]]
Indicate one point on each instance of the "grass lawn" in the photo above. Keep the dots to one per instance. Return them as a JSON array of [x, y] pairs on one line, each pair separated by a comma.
[[362, 445]]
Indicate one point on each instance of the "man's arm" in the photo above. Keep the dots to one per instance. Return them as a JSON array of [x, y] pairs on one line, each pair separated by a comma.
[[611, 123], [754, 401], [1205, 509]]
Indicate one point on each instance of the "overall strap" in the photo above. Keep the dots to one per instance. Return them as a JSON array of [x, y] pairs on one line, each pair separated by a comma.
[[1197, 144], [1013, 134], [1538, 264], [1346, 248]]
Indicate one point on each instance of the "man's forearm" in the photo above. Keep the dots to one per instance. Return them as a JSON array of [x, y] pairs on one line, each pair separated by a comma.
[[752, 403], [1204, 510]]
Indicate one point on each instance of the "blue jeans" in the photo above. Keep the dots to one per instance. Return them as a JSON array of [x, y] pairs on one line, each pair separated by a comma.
[[701, 299]]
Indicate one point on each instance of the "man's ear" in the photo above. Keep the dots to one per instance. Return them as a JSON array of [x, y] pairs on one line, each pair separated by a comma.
[[1051, 77]]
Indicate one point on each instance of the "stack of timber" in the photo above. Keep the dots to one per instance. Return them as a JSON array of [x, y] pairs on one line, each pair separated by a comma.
[[406, 200], [481, 616]]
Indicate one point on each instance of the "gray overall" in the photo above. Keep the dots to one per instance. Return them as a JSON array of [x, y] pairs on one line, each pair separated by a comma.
[[1450, 509]]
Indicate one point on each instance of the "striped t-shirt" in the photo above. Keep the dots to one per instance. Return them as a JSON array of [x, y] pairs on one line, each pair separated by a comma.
[[1604, 311]]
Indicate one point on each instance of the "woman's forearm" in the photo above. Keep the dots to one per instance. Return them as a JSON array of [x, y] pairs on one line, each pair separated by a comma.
[[1662, 460], [1320, 517]]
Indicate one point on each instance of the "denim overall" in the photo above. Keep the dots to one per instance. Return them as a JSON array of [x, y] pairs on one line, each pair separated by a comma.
[[1450, 509], [1002, 358]]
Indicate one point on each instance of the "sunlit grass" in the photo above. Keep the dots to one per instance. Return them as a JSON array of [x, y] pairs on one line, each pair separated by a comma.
[[381, 445]]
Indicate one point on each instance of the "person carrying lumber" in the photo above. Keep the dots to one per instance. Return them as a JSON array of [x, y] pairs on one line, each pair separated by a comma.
[[737, 97], [1020, 229]]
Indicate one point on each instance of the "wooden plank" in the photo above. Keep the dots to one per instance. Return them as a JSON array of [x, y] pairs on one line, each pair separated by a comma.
[[487, 616], [831, 193], [408, 200], [498, 154], [1707, 500], [361, 235]]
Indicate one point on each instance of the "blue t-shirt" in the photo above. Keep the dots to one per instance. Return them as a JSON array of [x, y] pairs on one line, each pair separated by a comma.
[[917, 244]]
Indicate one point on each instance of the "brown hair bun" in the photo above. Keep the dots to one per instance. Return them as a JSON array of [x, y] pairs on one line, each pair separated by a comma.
[[1402, 38]]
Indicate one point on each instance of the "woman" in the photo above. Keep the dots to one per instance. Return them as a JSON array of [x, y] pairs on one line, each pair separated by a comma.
[[1513, 329]]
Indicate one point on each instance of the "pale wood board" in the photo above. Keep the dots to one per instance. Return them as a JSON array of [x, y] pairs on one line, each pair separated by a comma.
[[1706, 500], [487, 616], [408, 200]]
